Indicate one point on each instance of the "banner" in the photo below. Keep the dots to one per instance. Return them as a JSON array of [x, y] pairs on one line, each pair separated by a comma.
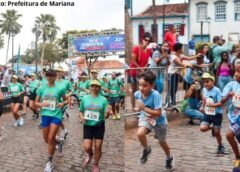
[[109, 43]]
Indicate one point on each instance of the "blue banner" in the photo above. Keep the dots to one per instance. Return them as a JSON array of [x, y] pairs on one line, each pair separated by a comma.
[[99, 43]]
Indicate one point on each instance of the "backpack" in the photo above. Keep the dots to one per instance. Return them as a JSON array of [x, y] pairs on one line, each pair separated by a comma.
[[210, 54]]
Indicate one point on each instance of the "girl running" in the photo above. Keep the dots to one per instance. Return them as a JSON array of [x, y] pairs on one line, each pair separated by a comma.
[[16, 90], [93, 112], [49, 99]]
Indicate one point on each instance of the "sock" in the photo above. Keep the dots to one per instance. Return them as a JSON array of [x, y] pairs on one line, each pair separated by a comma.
[[50, 158]]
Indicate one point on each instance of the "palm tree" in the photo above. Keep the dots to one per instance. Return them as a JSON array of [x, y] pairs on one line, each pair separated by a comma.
[[45, 26], [1, 41], [9, 25]]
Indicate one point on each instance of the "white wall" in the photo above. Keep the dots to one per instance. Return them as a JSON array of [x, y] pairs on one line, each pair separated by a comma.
[[215, 28], [147, 23]]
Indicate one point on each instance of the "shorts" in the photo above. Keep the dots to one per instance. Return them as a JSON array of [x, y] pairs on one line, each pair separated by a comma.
[[94, 132], [132, 80], [159, 130], [32, 96], [114, 100], [17, 100], [235, 128], [216, 120], [47, 120]]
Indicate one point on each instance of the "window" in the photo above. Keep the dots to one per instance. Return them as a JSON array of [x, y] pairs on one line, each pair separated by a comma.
[[237, 10], [201, 12], [220, 11], [180, 28]]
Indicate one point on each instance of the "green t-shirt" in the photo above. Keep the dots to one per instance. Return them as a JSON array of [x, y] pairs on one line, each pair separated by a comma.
[[114, 86], [104, 86], [93, 109], [64, 84], [43, 82], [52, 95], [82, 85], [15, 89], [33, 85]]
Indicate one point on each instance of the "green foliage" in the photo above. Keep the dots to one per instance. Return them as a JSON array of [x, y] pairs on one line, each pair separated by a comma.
[[1, 41]]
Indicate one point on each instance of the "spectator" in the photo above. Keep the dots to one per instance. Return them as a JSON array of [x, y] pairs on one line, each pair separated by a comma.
[[191, 47], [170, 36], [140, 57]]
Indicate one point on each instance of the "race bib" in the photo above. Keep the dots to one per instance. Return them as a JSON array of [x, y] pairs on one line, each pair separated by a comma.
[[150, 120], [14, 89], [91, 115], [210, 110], [51, 104], [82, 93], [113, 91], [236, 100]]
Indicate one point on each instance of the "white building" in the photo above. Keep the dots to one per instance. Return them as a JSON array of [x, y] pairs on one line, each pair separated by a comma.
[[218, 17], [176, 14]]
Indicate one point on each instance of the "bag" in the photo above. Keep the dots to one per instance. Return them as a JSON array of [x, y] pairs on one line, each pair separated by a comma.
[[183, 105], [210, 54], [159, 83]]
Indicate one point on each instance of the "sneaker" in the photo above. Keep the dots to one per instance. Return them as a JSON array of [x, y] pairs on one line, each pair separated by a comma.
[[118, 116], [221, 149], [169, 163], [20, 121], [67, 114], [16, 123], [145, 154], [96, 168], [236, 163], [34, 116], [87, 161], [190, 122], [65, 134], [49, 167], [114, 117], [60, 144]]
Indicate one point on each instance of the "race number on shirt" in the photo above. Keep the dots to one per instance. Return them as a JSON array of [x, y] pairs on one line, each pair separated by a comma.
[[236, 100], [210, 110], [14, 89], [113, 91], [51, 104], [91, 115]]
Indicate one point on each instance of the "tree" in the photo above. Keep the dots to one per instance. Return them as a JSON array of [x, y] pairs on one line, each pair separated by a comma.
[[45, 24], [1, 42], [9, 25]]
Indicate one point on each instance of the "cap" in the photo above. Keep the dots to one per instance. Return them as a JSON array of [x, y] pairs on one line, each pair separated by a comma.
[[59, 69], [83, 75], [15, 76], [208, 76], [51, 72], [95, 82], [94, 71]]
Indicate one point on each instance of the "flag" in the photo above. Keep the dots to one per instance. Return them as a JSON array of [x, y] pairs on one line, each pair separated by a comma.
[[19, 59]]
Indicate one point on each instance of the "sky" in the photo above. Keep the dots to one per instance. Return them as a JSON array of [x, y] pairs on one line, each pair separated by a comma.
[[141, 5], [85, 15]]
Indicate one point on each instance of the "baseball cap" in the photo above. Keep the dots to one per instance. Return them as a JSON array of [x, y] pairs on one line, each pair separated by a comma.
[[94, 71], [59, 68], [15, 76], [95, 82], [208, 76]]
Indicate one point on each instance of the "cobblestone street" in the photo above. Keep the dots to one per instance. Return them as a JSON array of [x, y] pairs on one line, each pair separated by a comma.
[[23, 148], [193, 150]]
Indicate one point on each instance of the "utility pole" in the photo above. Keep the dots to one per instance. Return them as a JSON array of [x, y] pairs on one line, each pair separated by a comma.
[[154, 31]]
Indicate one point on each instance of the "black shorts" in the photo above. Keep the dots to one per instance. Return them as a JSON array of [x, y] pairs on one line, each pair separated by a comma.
[[94, 132], [216, 120], [17, 100], [32, 96]]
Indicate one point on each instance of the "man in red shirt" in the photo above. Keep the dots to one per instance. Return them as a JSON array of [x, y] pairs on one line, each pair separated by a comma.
[[170, 36]]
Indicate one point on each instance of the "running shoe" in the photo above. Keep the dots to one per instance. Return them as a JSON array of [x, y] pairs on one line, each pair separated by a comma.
[[49, 167], [169, 163], [67, 114], [65, 134], [87, 161], [118, 116], [60, 144], [96, 168], [145, 154], [221, 149], [20, 121], [16, 123]]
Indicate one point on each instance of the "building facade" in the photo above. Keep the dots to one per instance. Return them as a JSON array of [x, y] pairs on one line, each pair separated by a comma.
[[215, 17]]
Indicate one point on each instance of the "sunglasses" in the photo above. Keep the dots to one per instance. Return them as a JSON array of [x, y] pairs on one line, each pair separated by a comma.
[[147, 40]]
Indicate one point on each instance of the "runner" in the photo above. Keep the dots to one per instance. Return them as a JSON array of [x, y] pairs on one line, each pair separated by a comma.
[[26, 95], [115, 87], [51, 99], [93, 112], [232, 92], [211, 107], [122, 96], [104, 88], [148, 103], [33, 85], [82, 87], [16, 90]]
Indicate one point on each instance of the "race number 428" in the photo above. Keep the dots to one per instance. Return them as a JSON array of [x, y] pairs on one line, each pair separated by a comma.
[[91, 115]]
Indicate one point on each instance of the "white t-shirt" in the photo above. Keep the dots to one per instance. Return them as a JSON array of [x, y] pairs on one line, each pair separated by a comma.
[[173, 65]]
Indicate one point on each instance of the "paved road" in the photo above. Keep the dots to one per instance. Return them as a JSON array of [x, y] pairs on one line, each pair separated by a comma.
[[193, 150], [23, 149]]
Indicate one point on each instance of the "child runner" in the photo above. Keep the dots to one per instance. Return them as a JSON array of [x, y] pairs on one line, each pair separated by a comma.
[[232, 91], [149, 105], [51, 99], [211, 107], [93, 112], [16, 90]]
